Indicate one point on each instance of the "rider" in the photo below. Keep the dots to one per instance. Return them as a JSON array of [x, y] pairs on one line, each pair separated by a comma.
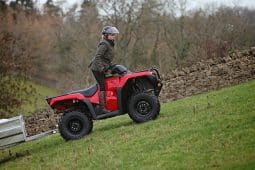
[[103, 60]]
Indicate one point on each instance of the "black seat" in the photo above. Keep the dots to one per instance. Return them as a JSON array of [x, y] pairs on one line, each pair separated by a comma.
[[88, 91]]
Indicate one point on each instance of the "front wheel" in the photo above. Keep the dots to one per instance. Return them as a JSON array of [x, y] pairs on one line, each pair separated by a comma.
[[74, 125], [143, 107]]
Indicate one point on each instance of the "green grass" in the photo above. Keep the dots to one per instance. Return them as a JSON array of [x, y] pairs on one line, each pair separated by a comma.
[[38, 99], [215, 130]]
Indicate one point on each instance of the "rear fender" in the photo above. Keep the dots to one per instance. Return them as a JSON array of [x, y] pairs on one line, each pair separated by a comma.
[[84, 105], [90, 108], [65, 98], [63, 105]]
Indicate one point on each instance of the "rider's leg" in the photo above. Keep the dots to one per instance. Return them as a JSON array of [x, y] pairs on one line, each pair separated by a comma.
[[100, 77]]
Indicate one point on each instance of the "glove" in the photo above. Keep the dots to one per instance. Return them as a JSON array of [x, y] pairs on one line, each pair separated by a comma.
[[109, 69]]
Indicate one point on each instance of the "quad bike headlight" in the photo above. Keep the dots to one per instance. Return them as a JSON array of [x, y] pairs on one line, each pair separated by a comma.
[[159, 84]]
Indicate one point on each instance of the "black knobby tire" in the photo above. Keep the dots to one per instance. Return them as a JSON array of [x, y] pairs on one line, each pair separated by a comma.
[[143, 107], [74, 125]]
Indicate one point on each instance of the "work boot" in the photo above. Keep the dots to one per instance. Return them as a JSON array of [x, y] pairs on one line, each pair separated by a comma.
[[102, 102]]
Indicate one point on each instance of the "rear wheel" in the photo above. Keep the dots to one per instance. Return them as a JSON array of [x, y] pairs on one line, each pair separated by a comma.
[[143, 107], [74, 125]]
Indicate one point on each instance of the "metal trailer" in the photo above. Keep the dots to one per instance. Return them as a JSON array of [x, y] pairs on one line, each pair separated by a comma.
[[12, 132]]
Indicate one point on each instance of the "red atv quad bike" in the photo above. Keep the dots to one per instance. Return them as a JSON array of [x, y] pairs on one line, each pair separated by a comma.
[[135, 93]]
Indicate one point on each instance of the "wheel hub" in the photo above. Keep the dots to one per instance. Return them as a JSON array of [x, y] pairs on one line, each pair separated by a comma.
[[75, 125], [143, 107]]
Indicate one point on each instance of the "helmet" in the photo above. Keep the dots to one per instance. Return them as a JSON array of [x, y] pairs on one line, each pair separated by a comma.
[[110, 30]]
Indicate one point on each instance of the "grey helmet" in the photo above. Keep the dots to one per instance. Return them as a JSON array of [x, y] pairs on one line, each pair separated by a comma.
[[110, 30]]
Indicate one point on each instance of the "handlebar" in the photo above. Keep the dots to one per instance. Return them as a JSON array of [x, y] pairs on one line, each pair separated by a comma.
[[156, 72]]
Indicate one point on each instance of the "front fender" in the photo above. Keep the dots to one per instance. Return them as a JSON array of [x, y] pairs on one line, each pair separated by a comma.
[[127, 77]]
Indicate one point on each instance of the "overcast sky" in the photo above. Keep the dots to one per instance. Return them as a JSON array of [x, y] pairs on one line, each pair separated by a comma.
[[192, 4], [231, 3]]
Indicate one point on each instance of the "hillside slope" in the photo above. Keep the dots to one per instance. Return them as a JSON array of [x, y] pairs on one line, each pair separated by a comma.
[[211, 130], [38, 99]]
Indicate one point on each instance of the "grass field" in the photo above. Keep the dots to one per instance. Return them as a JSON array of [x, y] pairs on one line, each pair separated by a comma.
[[214, 130], [38, 98]]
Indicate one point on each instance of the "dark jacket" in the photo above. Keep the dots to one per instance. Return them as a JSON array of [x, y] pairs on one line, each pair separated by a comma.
[[104, 56]]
